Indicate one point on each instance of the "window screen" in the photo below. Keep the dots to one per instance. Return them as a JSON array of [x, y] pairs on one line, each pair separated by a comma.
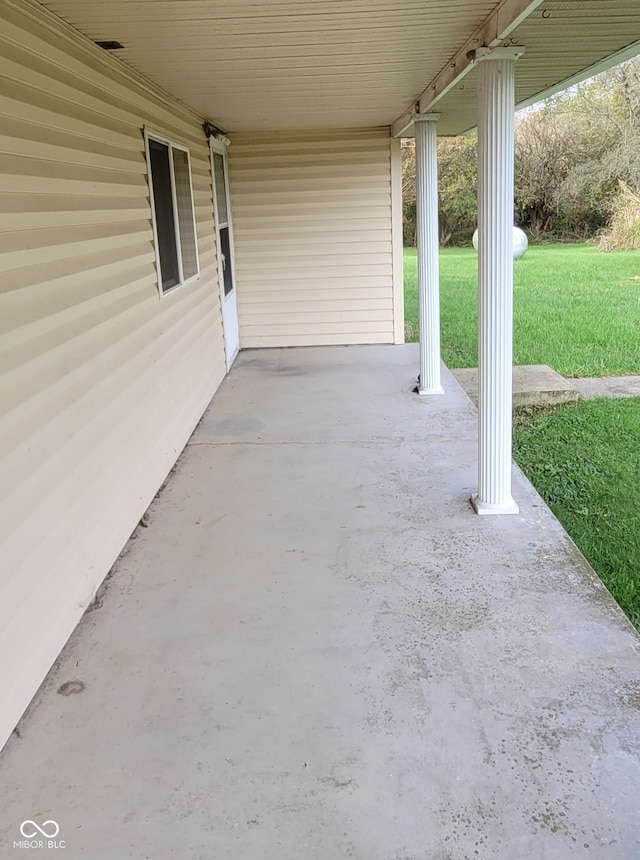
[[184, 205]]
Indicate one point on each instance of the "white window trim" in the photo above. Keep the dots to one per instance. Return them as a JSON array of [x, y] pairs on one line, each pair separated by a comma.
[[161, 138]]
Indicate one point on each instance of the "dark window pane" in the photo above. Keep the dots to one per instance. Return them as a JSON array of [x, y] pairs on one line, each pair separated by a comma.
[[163, 204], [227, 268], [220, 187]]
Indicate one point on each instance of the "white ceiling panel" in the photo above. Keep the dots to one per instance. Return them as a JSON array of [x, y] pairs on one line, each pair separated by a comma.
[[304, 64]]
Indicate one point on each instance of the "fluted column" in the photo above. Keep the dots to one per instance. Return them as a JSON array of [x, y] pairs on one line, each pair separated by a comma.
[[427, 248], [496, 90]]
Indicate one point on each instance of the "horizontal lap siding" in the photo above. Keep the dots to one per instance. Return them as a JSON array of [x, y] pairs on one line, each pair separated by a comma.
[[313, 239], [101, 382]]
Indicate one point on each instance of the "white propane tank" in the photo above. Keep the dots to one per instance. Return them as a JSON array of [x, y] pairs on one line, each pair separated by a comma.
[[520, 242]]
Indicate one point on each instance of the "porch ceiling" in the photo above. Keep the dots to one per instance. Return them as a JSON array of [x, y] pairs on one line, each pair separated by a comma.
[[297, 64]]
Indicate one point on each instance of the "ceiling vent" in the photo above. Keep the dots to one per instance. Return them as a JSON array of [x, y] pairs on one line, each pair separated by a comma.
[[109, 45]]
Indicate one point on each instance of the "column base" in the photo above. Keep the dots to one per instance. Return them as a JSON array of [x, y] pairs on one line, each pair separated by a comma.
[[487, 508], [425, 391]]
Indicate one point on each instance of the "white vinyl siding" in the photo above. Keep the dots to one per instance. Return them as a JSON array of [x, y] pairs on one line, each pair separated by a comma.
[[101, 382], [313, 237]]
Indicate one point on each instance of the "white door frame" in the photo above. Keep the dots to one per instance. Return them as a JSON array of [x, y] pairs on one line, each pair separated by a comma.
[[228, 302]]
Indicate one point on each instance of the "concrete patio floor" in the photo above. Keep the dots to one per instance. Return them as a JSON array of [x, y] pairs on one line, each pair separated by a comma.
[[315, 650]]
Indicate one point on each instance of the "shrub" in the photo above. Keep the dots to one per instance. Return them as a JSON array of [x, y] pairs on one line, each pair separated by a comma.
[[623, 233]]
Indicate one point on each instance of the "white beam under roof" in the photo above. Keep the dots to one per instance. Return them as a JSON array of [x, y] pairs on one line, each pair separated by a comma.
[[497, 27]]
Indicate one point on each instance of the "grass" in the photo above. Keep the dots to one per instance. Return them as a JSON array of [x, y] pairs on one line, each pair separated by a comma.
[[575, 309], [584, 460]]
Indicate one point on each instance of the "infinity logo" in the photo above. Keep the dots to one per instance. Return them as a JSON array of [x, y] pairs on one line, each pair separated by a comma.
[[39, 829]]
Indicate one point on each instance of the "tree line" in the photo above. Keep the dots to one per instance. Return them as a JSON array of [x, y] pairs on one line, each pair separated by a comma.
[[577, 168]]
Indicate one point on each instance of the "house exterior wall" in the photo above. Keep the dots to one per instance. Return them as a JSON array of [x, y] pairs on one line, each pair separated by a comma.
[[317, 259], [101, 380]]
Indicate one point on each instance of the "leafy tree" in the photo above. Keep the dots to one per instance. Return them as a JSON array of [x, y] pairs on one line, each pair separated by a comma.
[[457, 192], [544, 159], [409, 193], [457, 178], [577, 165]]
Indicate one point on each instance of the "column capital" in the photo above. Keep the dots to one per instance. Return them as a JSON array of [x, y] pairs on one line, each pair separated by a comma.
[[480, 54], [426, 117]]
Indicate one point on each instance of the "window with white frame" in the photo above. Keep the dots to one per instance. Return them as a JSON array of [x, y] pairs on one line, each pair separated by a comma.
[[173, 212]]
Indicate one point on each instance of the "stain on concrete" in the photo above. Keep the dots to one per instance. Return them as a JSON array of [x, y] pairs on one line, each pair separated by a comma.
[[71, 688], [230, 425], [629, 694]]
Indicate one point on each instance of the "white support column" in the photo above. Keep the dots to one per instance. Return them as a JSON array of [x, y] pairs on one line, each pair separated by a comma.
[[427, 242], [496, 96]]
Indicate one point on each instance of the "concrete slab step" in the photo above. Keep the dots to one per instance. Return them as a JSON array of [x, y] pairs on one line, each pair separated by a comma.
[[533, 385], [609, 386]]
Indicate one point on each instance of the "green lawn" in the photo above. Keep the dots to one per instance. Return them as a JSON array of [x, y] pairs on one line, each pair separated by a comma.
[[576, 309], [584, 460]]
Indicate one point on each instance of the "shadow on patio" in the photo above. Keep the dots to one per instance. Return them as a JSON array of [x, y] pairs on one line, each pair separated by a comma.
[[316, 650]]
